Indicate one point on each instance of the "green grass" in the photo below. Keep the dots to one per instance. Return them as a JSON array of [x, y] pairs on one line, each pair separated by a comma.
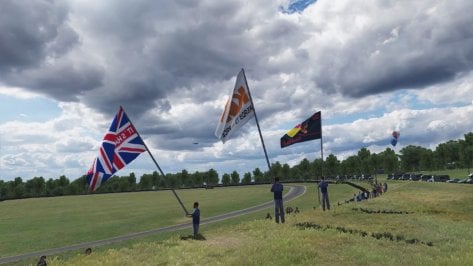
[[36, 224], [438, 213]]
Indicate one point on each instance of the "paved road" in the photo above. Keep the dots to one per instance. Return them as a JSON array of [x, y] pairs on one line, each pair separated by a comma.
[[295, 191]]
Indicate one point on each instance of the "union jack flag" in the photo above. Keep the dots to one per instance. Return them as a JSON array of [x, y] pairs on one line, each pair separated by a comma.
[[121, 145]]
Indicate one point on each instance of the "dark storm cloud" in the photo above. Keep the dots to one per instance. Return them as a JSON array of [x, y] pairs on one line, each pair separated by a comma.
[[35, 40], [157, 56], [193, 127], [147, 50], [62, 81], [411, 51], [26, 29]]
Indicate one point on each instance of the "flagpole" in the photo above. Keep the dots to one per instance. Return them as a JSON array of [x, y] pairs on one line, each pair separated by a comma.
[[321, 155], [157, 165], [322, 164], [257, 123]]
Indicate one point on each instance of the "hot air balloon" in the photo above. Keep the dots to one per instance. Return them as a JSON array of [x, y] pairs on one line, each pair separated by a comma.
[[395, 136]]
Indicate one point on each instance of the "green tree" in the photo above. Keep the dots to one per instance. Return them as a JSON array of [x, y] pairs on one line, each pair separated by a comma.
[[258, 175], [316, 169], [3, 190], [35, 187], [225, 179], [130, 182], [389, 161], [295, 173], [198, 178], [18, 190], [276, 169], [305, 169], [82, 185], [63, 181], [246, 178], [426, 160], [286, 172], [187, 180], [448, 154], [411, 158], [364, 155], [466, 151], [331, 165], [146, 182], [212, 177], [375, 163], [235, 178], [351, 165]]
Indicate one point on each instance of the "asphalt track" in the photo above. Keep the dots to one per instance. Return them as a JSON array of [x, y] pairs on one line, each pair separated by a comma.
[[295, 191]]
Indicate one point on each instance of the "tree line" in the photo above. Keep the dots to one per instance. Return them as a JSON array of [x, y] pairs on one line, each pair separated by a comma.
[[449, 155]]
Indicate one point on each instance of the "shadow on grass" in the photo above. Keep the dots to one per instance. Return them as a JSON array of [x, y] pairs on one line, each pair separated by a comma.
[[380, 211], [385, 235], [191, 237]]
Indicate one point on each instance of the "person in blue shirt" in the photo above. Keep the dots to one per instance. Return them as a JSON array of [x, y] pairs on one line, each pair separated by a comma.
[[195, 219], [323, 189], [277, 189]]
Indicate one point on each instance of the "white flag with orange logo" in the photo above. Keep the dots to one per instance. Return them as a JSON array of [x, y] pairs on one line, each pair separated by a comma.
[[238, 110]]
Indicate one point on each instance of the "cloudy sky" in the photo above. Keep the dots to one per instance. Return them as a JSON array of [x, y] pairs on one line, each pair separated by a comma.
[[370, 67]]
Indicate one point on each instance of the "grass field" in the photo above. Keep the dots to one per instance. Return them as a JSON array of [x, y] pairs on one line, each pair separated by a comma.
[[414, 223], [37, 224]]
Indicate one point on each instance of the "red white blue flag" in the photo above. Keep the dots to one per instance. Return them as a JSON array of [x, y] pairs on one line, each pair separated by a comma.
[[121, 145]]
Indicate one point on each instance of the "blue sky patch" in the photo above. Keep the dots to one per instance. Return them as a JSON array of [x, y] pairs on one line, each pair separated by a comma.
[[297, 6], [27, 110]]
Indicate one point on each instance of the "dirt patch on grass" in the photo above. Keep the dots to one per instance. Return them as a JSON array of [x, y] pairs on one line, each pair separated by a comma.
[[225, 242]]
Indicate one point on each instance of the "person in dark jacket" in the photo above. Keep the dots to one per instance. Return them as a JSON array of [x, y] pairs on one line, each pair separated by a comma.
[[324, 190], [277, 189], [195, 219], [42, 261]]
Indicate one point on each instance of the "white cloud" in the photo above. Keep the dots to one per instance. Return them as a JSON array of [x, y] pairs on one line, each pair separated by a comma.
[[172, 64], [459, 91], [18, 92]]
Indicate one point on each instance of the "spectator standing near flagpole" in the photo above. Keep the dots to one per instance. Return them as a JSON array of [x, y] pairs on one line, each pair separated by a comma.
[[195, 219], [324, 190], [277, 189]]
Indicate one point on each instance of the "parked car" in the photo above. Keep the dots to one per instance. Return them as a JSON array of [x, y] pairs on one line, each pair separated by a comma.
[[455, 180], [405, 176], [425, 177], [439, 178], [444, 178], [470, 179], [415, 177]]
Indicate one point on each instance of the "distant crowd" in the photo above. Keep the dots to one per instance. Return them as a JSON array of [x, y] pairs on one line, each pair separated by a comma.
[[377, 189]]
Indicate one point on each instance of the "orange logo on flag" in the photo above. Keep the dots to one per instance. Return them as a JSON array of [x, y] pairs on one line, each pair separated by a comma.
[[239, 99]]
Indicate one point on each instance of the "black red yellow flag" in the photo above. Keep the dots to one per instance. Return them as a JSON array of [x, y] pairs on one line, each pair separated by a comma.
[[308, 130]]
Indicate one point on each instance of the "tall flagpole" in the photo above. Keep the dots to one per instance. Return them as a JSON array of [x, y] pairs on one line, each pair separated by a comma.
[[257, 124], [321, 155], [157, 165]]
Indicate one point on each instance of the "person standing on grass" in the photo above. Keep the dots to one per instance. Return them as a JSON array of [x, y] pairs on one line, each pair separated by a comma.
[[42, 261], [277, 189], [324, 190], [195, 219]]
